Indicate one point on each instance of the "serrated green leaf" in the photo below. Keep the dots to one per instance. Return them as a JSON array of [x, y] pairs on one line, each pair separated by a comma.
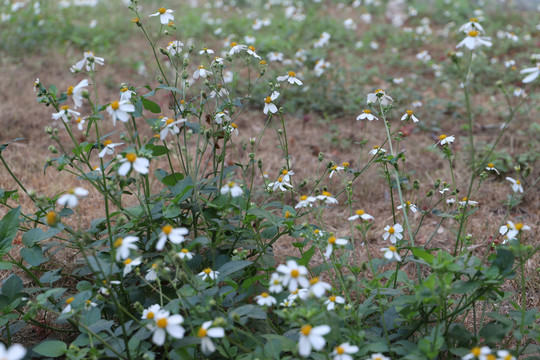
[[9, 226]]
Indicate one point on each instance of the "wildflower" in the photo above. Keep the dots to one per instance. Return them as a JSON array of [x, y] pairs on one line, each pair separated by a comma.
[[312, 337], [67, 309], [444, 190], [473, 40], [516, 185], [275, 56], [130, 160], [236, 48], [36, 84], [104, 290], [293, 275], [320, 66], [335, 169], [185, 254], [206, 332], [269, 105], [360, 214], [165, 15], [377, 149], [206, 51], [378, 356], [280, 184], [286, 174], [332, 241], [505, 355], [209, 274], [394, 232], [318, 287], [231, 188], [275, 283], [379, 96], [477, 352], [130, 264], [450, 201], [167, 324], [14, 352], [443, 139], [533, 73], [123, 246], [301, 294], [51, 218], [90, 60], [65, 113], [251, 51], [170, 126], [176, 236], [221, 117], [201, 72], [466, 201], [76, 92], [491, 166], [220, 91], [232, 129], [286, 303], [174, 47], [349, 24], [409, 115], [264, 299], [327, 198], [108, 148], [323, 40], [152, 273], [290, 77], [305, 201], [332, 301], [408, 205], [150, 313], [70, 199], [341, 352], [366, 114], [125, 93], [511, 230], [119, 110], [391, 252], [80, 122], [88, 304], [473, 24]]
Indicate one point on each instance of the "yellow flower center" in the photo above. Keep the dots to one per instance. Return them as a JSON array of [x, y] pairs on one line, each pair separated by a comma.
[[262, 62], [306, 329], [303, 197], [490, 165], [409, 112], [317, 231], [115, 105], [391, 230], [131, 157], [519, 226], [51, 218], [334, 167], [473, 33], [252, 48], [379, 90], [135, 20], [150, 315], [70, 90], [345, 164], [392, 248], [268, 100], [518, 182], [167, 229], [128, 261], [264, 295], [360, 212], [87, 302], [205, 48], [366, 111], [201, 66], [473, 20], [202, 333], [491, 357], [233, 44], [107, 142], [280, 179], [207, 271], [284, 172], [340, 350], [476, 351], [170, 23], [68, 301], [233, 125], [292, 73], [442, 137], [162, 10], [184, 251], [314, 281], [287, 214], [332, 240], [162, 323], [154, 266], [65, 107], [276, 281], [295, 273], [295, 292], [464, 199], [169, 121], [124, 89], [78, 121], [508, 357], [118, 242], [326, 193], [332, 298], [231, 184], [408, 203]]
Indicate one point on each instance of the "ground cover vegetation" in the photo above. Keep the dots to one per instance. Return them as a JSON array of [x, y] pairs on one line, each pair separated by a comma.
[[270, 180]]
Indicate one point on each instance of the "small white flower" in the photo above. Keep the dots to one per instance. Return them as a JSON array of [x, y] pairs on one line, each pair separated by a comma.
[[236, 48], [264, 299], [409, 115], [394, 232], [516, 185], [332, 301], [312, 337], [150, 313], [71, 198], [391, 252], [76, 92], [301, 294], [201, 72], [209, 274], [125, 93], [450, 201], [165, 15], [176, 236], [280, 184], [379, 96], [491, 167], [185, 254], [376, 150], [366, 114], [90, 60], [378, 356], [139, 164], [174, 47], [473, 24], [119, 110], [332, 241], [167, 324], [275, 283], [408, 205], [14, 352], [206, 50], [443, 140], [206, 332], [477, 353], [170, 126], [533, 73], [293, 275], [232, 188], [473, 40], [360, 214], [251, 51], [318, 287], [108, 148], [505, 355], [305, 201], [511, 230], [123, 246], [130, 264], [466, 201], [290, 77], [341, 352], [65, 114], [327, 198], [269, 105]]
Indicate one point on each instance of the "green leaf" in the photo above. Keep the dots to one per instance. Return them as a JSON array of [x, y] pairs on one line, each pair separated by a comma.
[[172, 179], [8, 227], [423, 254], [33, 236], [5, 265], [51, 348], [304, 260], [232, 267], [33, 255], [151, 106], [157, 150], [12, 286], [4, 146]]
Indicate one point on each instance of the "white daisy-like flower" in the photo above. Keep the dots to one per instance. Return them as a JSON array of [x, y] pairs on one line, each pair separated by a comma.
[[409, 115], [222, 117], [251, 51], [119, 110], [89, 60], [236, 48], [152, 273], [333, 242], [491, 167], [231, 188], [123, 246], [265, 299], [301, 294], [68, 308], [391, 252], [275, 285], [473, 24], [312, 338], [167, 324], [71, 197], [366, 114], [80, 123], [444, 140], [150, 313], [185, 254], [379, 96], [293, 275], [332, 301], [305, 201], [327, 198], [269, 105], [231, 129], [394, 232], [335, 169], [511, 230], [131, 160], [378, 356], [341, 352], [126, 94], [516, 184], [108, 148], [360, 214], [466, 201], [477, 353], [176, 236], [280, 184], [165, 15], [450, 201], [170, 126], [209, 274], [130, 264], [76, 92], [201, 72], [317, 287], [472, 40], [205, 333], [408, 205], [175, 47], [65, 114], [376, 150], [290, 77], [206, 50], [505, 355], [533, 73]]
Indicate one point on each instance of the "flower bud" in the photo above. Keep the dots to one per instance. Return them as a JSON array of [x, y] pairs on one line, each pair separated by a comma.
[[321, 156], [430, 193]]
